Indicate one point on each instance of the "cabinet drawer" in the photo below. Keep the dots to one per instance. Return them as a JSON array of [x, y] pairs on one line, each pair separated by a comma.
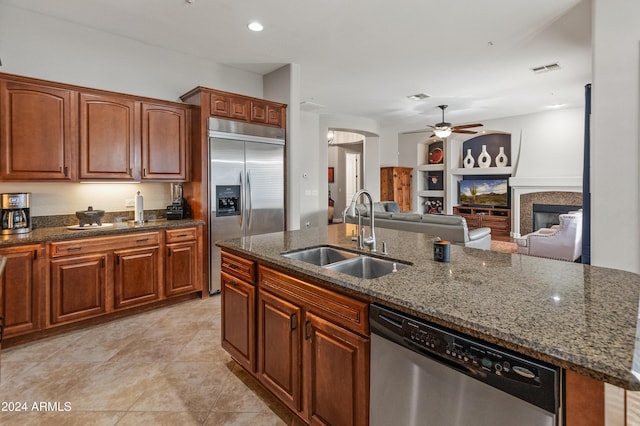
[[178, 235], [238, 267], [342, 310], [90, 245]]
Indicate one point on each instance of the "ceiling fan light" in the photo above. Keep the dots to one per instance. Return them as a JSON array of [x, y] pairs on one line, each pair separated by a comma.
[[442, 133]]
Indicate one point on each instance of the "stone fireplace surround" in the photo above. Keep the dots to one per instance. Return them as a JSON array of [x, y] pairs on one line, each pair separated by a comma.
[[528, 191]]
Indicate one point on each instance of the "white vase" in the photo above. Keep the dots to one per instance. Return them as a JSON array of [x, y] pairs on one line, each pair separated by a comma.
[[468, 161], [501, 158], [484, 159]]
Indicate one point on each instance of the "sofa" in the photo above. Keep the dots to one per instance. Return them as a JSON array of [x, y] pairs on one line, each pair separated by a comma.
[[451, 228], [561, 242]]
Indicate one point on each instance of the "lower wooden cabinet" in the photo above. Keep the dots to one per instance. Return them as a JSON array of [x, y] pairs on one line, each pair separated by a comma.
[[238, 320], [78, 287], [20, 293], [137, 276], [181, 265], [312, 344]]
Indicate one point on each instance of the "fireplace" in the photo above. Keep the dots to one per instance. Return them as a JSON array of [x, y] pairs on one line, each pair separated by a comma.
[[547, 215], [523, 208]]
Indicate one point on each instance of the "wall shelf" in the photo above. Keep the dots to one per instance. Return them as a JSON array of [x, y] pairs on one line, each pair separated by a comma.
[[474, 171], [427, 193], [430, 167]]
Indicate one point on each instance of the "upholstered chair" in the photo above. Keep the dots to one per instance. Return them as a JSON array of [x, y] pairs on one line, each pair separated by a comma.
[[562, 242]]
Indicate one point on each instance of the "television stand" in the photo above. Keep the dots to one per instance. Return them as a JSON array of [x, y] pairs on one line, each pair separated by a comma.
[[498, 219]]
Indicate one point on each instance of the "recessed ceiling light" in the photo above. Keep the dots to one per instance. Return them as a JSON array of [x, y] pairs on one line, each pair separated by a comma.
[[418, 97], [255, 26]]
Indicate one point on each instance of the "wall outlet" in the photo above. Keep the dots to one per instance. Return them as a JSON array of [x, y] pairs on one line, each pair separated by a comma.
[[129, 202]]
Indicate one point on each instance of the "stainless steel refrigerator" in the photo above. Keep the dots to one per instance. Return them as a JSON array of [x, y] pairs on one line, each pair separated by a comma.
[[246, 184]]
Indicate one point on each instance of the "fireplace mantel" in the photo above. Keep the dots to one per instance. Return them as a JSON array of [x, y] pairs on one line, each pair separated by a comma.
[[527, 185]]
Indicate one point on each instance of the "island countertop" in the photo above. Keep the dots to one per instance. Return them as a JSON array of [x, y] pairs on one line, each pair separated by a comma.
[[579, 317]]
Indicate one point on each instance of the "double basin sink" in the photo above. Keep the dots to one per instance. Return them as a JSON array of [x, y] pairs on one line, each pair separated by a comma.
[[354, 264]]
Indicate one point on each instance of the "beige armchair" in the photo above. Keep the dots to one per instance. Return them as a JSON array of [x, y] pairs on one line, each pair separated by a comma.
[[562, 242]]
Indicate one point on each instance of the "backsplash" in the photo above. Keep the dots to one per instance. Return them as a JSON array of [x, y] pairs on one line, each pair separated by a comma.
[[109, 217]]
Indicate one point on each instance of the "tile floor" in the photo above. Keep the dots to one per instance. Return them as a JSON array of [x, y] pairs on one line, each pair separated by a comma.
[[163, 367]]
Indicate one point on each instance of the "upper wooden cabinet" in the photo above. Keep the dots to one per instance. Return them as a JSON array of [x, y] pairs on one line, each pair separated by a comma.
[[119, 136], [164, 142], [107, 137], [237, 107], [38, 139]]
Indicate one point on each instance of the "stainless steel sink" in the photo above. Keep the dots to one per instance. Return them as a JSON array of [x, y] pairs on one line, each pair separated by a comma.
[[321, 256], [366, 267]]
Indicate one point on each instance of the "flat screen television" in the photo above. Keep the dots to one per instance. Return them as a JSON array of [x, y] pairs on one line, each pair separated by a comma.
[[484, 191]]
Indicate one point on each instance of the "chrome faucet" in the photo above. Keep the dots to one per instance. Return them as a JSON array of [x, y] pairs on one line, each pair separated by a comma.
[[351, 211]]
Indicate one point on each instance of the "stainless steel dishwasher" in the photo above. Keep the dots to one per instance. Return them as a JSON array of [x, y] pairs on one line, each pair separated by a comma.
[[424, 374]]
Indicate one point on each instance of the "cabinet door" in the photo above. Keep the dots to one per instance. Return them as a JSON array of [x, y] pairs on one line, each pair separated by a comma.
[[164, 142], [181, 268], [279, 354], [108, 134], [239, 108], [78, 287], [336, 374], [259, 112], [38, 139], [238, 320], [136, 278], [274, 115], [220, 105], [404, 189], [20, 293]]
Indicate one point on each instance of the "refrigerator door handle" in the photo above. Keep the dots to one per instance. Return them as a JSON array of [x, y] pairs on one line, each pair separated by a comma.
[[249, 197], [241, 201]]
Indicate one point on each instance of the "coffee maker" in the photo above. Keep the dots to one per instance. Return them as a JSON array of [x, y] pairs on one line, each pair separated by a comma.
[[179, 208], [16, 218]]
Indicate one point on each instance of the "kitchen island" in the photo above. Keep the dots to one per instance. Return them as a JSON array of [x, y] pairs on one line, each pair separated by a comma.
[[580, 318]]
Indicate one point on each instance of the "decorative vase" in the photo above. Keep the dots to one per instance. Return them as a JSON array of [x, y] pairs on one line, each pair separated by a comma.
[[484, 159], [501, 158], [468, 160]]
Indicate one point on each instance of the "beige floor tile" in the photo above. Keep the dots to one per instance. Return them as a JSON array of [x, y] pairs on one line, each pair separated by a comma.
[[71, 418], [244, 419], [135, 418]]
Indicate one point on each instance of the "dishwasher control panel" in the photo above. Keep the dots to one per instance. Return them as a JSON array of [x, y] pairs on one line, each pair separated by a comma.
[[479, 357]]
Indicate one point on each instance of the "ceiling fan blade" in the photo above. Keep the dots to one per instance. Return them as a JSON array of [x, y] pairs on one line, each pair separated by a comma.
[[467, 126], [470, 132]]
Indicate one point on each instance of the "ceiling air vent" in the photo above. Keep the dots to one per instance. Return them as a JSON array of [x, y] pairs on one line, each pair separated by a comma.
[[418, 97], [546, 68]]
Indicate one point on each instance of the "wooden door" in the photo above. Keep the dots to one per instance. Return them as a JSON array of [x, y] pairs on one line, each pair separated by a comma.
[[78, 287], [403, 182], [181, 268], [336, 374], [20, 292], [109, 131], [38, 137], [164, 142], [137, 276], [279, 352], [238, 320]]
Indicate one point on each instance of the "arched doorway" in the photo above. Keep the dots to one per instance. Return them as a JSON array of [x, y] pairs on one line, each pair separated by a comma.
[[345, 155]]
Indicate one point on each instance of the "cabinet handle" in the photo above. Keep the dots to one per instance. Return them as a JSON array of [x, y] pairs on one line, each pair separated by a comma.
[[233, 283], [181, 235], [118, 259], [232, 266], [307, 332], [169, 252], [144, 171], [103, 262], [292, 321], [77, 248], [66, 171], [142, 240], [35, 255]]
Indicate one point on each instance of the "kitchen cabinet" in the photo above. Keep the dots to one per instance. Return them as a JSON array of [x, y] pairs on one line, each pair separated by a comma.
[[181, 262], [238, 309], [78, 287], [395, 185], [95, 276], [38, 137], [313, 349], [137, 276], [21, 289], [164, 142], [108, 137]]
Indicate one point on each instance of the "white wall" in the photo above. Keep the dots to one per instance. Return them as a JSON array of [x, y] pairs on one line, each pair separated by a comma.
[[38, 46], [615, 135]]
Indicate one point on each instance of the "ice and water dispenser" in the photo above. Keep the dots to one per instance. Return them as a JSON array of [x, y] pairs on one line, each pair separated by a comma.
[[228, 200]]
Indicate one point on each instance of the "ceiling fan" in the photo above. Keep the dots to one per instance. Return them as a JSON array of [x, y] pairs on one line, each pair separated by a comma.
[[444, 129]]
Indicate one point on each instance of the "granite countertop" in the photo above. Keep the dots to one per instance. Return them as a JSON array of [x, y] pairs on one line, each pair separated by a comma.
[[578, 317], [61, 233]]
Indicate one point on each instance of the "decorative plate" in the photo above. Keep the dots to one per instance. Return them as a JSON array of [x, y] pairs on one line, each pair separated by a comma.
[[435, 156]]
